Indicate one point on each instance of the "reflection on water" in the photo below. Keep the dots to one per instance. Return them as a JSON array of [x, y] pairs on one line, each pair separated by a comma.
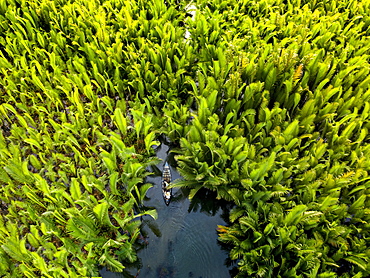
[[182, 242]]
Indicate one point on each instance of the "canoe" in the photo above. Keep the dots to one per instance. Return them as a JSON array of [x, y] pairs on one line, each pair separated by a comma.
[[166, 180]]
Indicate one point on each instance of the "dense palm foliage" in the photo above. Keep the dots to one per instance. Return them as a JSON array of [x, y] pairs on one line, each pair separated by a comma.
[[73, 155], [268, 100], [281, 130]]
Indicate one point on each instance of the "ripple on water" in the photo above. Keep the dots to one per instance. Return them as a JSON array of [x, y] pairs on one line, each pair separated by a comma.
[[197, 251]]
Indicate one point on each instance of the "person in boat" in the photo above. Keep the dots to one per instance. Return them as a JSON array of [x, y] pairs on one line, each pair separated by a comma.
[[165, 184], [167, 194]]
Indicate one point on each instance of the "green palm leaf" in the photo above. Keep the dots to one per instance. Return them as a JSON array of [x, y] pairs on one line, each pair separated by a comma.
[[295, 215], [101, 212]]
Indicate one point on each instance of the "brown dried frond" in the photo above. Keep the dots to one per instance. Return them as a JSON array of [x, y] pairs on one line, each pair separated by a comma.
[[298, 73]]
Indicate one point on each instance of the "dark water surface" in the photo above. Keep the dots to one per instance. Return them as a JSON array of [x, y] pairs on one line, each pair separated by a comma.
[[182, 242]]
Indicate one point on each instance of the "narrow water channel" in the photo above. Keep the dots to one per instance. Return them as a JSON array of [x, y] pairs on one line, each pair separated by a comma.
[[182, 242]]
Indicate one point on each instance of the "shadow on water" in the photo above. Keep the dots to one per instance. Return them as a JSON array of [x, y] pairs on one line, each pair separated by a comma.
[[182, 242]]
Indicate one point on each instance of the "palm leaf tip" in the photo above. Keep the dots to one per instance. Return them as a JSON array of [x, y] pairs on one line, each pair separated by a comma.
[[222, 229]]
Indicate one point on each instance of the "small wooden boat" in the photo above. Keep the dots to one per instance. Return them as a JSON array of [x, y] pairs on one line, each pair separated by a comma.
[[166, 180]]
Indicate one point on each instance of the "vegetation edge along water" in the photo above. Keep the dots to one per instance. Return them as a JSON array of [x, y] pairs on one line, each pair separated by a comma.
[[266, 101]]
